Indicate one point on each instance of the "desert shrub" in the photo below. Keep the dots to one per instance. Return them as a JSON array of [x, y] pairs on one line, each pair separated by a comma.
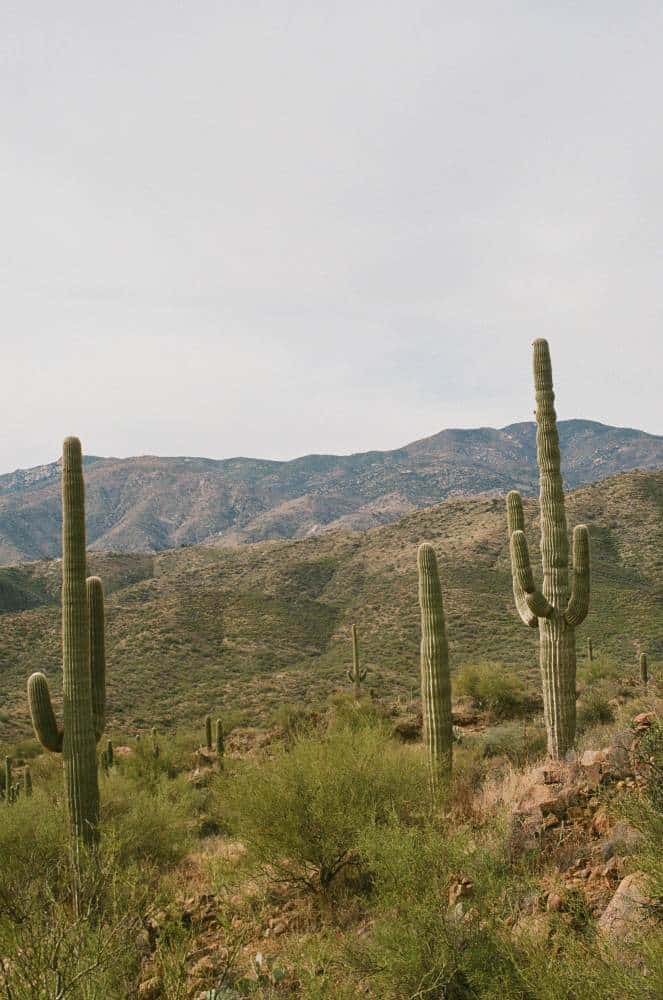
[[154, 823], [519, 742], [294, 719], [418, 947], [493, 688], [594, 709], [602, 668], [302, 812], [348, 712]]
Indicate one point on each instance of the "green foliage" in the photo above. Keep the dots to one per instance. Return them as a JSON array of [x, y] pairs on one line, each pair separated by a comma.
[[326, 792], [594, 709], [493, 688], [520, 742]]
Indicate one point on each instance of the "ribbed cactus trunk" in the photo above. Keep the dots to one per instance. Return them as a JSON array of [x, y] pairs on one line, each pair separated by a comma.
[[356, 675], [83, 664], [435, 678], [553, 610], [220, 743], [644, 670], [79, 743], [208, 732]]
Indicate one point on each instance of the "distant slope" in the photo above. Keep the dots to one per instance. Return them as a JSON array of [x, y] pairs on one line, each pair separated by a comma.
[[204, 628], [151, 504]]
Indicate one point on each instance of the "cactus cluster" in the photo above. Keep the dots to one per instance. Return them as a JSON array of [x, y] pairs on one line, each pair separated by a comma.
[[553, 609], [83, 663], [12, 789], [435, 678], [356, 675]]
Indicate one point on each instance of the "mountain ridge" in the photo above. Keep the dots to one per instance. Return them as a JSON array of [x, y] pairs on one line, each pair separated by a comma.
[[249, 628], [152, 503]]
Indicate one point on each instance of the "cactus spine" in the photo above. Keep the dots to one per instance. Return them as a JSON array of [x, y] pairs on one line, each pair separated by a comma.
[[644, 670], [208, 732], [590, 649], [356, 675], [435, 679], [83, 663], [553, 610]]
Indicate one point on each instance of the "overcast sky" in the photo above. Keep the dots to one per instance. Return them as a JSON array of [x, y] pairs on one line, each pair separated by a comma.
[[282, 227]]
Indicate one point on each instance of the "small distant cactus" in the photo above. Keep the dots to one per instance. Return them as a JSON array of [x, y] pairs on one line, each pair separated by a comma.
[[555, 610], [109, 753], [27, 781], [356, 675], [156, 749], [83, 663], [208, 732], [8, 781], [435, 678], [590, 649], [220, 744], [644, 669]]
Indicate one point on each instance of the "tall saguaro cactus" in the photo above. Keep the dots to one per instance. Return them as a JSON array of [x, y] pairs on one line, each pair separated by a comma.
[[644, 670], [356, 675], [435, 678], [83, 662], [553, 610]]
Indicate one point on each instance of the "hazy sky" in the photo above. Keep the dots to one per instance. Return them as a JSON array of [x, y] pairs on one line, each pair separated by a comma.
[[275, 228]]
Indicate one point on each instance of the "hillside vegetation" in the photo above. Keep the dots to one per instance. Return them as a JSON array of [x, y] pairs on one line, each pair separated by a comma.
[[149, 504], [248, 629]]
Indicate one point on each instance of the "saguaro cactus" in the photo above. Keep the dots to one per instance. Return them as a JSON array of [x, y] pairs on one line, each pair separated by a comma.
[[27, 781], [435, 679], [644, 670], [8, 781], [553, 610], [220, 744], [590, 649], [83, 662], [356, 675]]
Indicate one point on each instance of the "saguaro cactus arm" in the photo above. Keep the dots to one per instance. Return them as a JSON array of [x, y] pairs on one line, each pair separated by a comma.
[[516, 522], [95, 605], [578, 606], [522, 571], [45, 725]]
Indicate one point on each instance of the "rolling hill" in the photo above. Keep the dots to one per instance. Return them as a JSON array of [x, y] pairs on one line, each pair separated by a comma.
[[248, 628], [151, 504]]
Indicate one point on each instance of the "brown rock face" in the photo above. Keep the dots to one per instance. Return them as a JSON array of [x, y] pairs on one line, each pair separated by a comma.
[[628, 909]]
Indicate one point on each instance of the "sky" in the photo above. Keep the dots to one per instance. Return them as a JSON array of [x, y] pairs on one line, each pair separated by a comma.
[[275, 228]]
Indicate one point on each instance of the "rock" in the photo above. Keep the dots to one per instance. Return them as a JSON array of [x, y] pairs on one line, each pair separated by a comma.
[[539, 800], [591, 757], [643, 720], [408, 730], [554, 902], [628, 908], [624, 839], [150, 989], [601, 823], [461, 888], [123, 751]]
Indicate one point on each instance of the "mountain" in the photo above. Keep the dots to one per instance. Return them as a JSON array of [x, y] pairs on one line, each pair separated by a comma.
[[248, 629], [150, 504]]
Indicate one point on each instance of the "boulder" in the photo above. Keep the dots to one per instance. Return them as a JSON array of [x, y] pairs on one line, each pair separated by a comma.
[[628, 909]]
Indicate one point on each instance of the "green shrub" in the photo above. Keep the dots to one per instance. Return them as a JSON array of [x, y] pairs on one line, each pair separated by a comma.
[[594, 709], [493, 688], [520, 742], [302, 812]]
